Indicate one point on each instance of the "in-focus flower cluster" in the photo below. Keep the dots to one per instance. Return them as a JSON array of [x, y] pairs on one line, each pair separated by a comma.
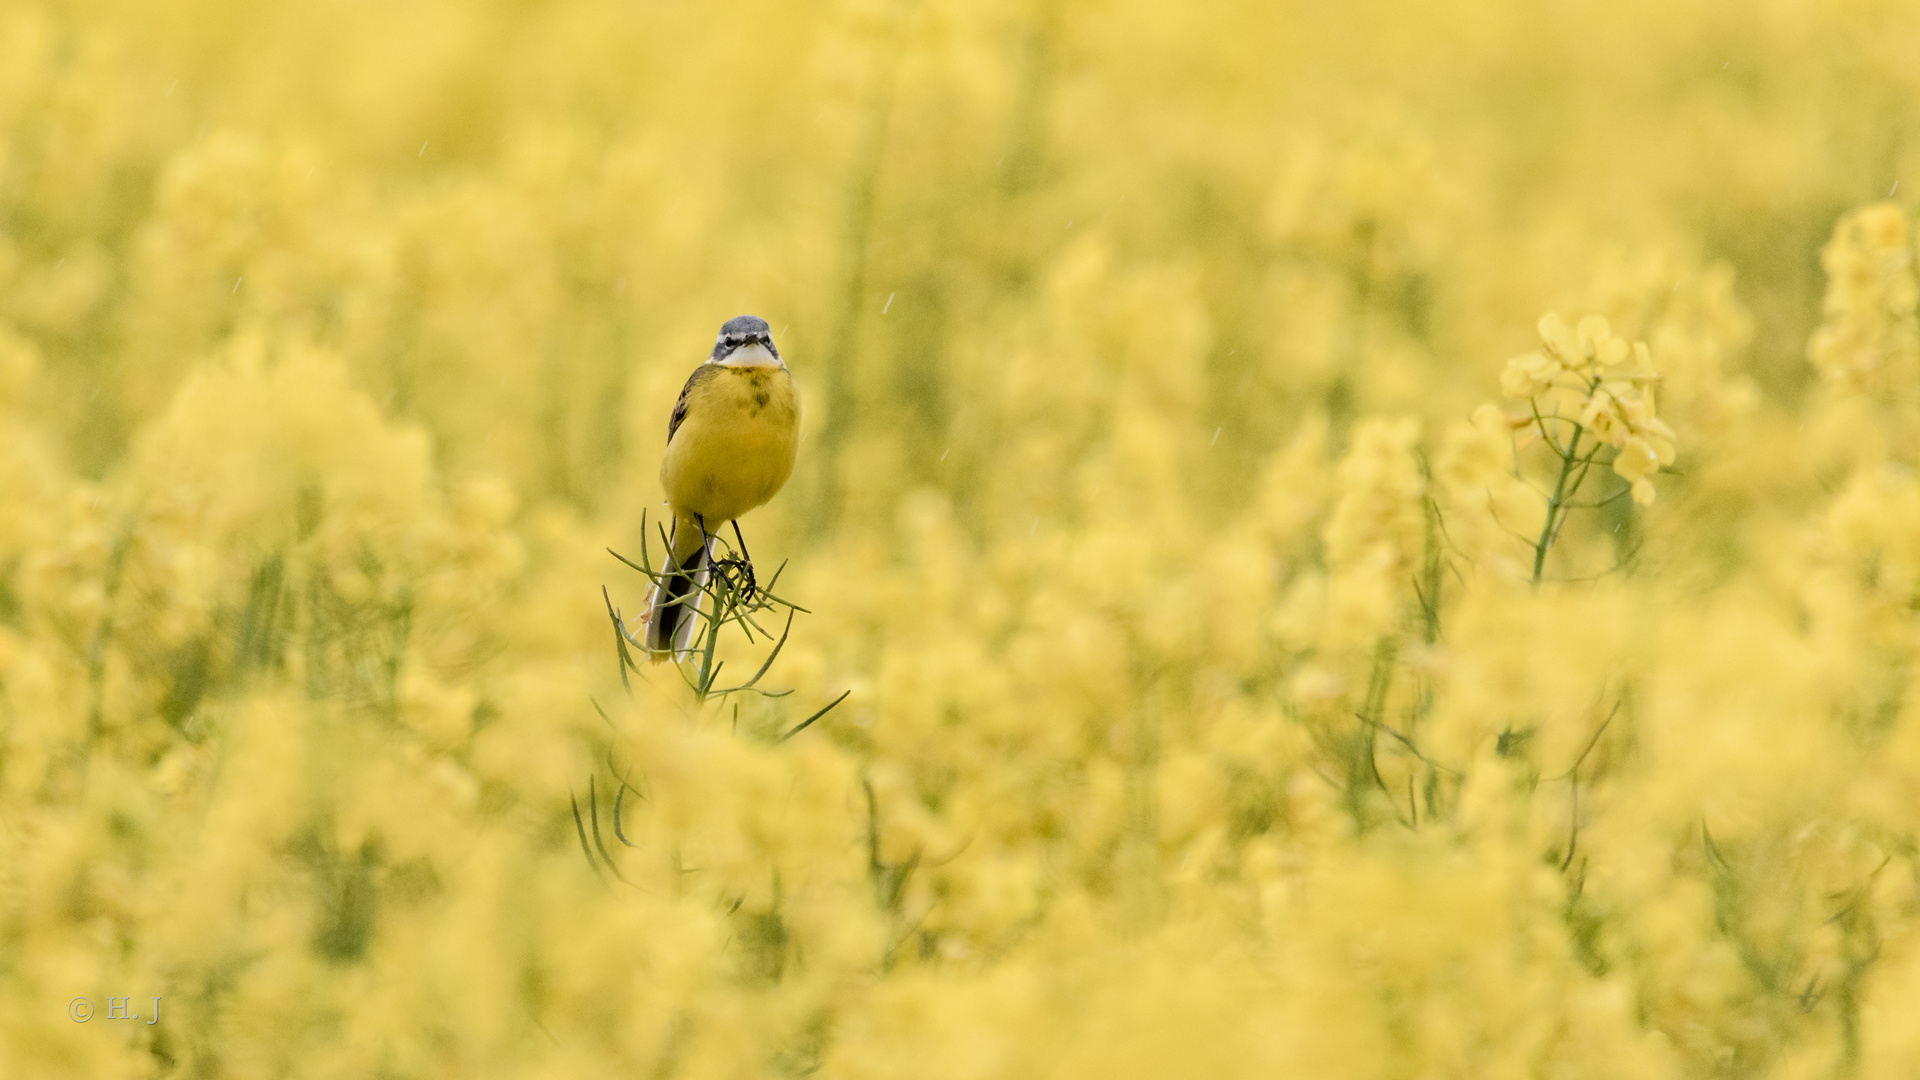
[[1584, 382]]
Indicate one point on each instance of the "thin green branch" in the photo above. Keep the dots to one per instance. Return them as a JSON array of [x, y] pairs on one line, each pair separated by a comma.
[[580, 830], [1549, 529], [804, 724], [777, 646], [593, 806]]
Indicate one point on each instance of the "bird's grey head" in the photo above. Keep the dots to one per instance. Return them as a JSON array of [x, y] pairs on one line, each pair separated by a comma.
[[745, 340]]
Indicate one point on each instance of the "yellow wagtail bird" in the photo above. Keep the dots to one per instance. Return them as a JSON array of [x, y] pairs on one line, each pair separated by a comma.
[[730, 446]]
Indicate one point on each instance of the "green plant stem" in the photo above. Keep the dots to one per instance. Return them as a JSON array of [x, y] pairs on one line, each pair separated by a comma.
[[1554, 502]]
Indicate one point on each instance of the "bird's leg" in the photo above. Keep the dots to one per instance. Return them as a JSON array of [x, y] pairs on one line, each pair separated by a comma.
[[746, 559], [736, 572], [722, 569]]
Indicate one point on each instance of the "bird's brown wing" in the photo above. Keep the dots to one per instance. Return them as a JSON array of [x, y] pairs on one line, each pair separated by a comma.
[[700, 375]]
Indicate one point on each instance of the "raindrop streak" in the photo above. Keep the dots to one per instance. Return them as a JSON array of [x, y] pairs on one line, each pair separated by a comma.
[[1894, 188], [1216, 436], [423, 149], [944, 453], [171, 85], [888, 304], [236, 283], [1036, 527]]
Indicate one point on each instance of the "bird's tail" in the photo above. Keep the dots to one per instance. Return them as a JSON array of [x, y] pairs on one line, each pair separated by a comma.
[[675, 598]]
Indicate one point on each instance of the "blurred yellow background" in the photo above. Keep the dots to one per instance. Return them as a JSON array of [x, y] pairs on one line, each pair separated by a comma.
[[1159, 505]]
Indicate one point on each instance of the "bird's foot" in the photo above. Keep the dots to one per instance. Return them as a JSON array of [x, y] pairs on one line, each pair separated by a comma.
[[736, 573]]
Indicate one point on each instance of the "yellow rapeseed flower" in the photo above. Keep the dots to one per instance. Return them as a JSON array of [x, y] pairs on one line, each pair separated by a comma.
[[1605, 385]]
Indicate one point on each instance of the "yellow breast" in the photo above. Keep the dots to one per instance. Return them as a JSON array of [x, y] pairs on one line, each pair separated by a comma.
[[736, 445]]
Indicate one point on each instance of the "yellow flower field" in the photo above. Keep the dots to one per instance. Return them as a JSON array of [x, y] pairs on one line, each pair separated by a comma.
[[1359, 540]]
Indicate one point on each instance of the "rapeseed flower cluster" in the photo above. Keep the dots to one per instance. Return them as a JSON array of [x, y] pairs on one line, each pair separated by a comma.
[[1226, 685], [1869, 339], [1605, 387]]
